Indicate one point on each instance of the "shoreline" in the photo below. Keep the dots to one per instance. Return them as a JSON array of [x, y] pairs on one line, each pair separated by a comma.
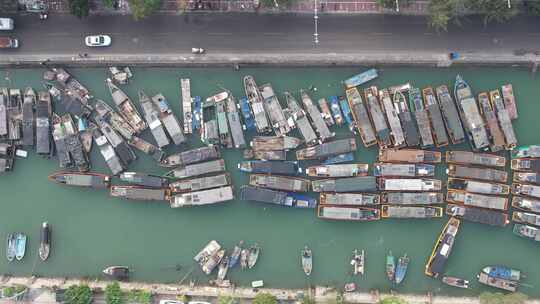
[[423, 59], [319, 293]]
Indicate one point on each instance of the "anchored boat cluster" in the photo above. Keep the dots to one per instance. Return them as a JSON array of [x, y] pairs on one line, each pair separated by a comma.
[[399, 119]]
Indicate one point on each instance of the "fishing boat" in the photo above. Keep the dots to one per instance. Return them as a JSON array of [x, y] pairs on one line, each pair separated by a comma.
[[435, 116], [390, 266], [422, 118], [151, 116], [244, 254], [10, 247], [316, 117], [88, 179], [328, 149], [477, 200], [472, 158], [185, 89], [256, 100], [480, 187], [359, 112], [450, 115], [411, 212], [403, 170], [401, 268], [120, 273], [209, 263], [237, 132], [526, 218], [504, 120], [526, 151], [348, 116], [478, 215], [14, 112], [503, 272], [28, 117], [358, 262], [527, 177], [43, 123], [360, 79], [223, 268], [301, 120], [225, 137], [73, 144], [4, 100], [118, 122], [86, 129], [442, 249], [307, 260], [377, 117], [338, 159], [126, 108], [202, 197], [143, 179], [348, 213], [336, 110], [487, 174], [525, 164], [351, 199], [271, 143], [409, 156], [253, 256], [526, 204], [455, 282], [527, 190], [349, 287], [325, 112], [495, 133], [282, 198], [277, 182], [396, 131], [499, 283], [412, 198], [209, 131], [200, 183], [270, 167], [273, 110], [347, 184], [197, 113], [45, 244], [339, 170], [20, 246], [408, 184], [140, 193], [108, 153], [509, 100], [219, 97], [209, 167], [192, 156], [120, 146], [249, 122], [470, 115], [235, 255], [526, 231], [265, 155], [410, 129], [59, 138]]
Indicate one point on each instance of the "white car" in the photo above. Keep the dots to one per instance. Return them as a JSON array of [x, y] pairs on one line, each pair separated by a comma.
[[98, 40], [170, 302]]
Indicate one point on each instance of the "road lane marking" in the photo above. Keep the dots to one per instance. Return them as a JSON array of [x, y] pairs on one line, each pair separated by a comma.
[[273, 34], [220, 34], [381, 34]]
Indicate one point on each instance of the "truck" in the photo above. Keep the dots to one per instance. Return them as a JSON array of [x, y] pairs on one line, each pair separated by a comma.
[[9, 43]]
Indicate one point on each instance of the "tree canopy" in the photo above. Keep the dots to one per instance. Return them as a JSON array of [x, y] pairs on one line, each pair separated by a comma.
[[264, 298], [143, 8], [79, 8], [78, 294], [392, 300], [113, 294]]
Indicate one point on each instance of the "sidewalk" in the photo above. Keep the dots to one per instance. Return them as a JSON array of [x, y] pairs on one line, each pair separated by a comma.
[[248, 6]]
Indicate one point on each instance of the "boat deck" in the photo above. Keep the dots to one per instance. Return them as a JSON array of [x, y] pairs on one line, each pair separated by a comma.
[[328, 149], [235, 124], [410, 156], [472, 158], [213, 166], [301, 120], [487, 174], [280, 182], [477, 200], [478, 215], [186, 105], [410, 212], [450, 115], [348, 184], [361, 117], [398, 138], [353, 199], [409, 184], [497, 136], [412, 198], [140, 193], [316, 117], [274, 110], [201, 183], [378, 119], [271, 143], [204, 197], [404, 170]]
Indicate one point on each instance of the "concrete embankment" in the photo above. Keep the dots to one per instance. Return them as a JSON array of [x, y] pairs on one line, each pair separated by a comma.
[[383, 58], [41, 292]]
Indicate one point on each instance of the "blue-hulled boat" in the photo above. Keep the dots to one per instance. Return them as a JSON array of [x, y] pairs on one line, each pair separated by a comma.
[[10, 247], [235, 255], [503, 272], [338, 159], [361, 78], [336, 110], [347, 116], [298, 200], [270, 167], [401, 268], [249, 122], [390, 266], [20, 246], [197, 113]]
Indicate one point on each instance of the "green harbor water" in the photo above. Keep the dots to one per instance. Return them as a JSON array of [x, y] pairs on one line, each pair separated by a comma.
[[91, 230]]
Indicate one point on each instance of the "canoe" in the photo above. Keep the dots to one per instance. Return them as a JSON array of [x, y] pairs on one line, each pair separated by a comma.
[[235, 256], [120, 273], [358, 262]]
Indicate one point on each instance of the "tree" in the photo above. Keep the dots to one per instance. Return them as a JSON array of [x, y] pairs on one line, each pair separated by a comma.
[[78, 294], [113, 294], [308, 300], [492, 10], [276, 3], [533, 7], [225, 300], [79, 8], [139, 296], [8, 292], [440, 13], [108, 3], [143, 8], [392, 300], [264, 298]]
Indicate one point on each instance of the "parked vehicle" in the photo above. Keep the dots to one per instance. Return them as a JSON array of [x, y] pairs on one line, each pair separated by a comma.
[[6, 24], [98, 40], [9, 43]]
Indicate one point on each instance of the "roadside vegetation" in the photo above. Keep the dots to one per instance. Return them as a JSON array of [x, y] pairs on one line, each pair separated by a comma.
[[264, 298], [78, 294], [392, 300], [143, 8], [79, 8], [115, 295], [501, 298]]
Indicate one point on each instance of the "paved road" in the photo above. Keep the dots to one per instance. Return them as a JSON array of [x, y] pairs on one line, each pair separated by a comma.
[[251, 33]]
